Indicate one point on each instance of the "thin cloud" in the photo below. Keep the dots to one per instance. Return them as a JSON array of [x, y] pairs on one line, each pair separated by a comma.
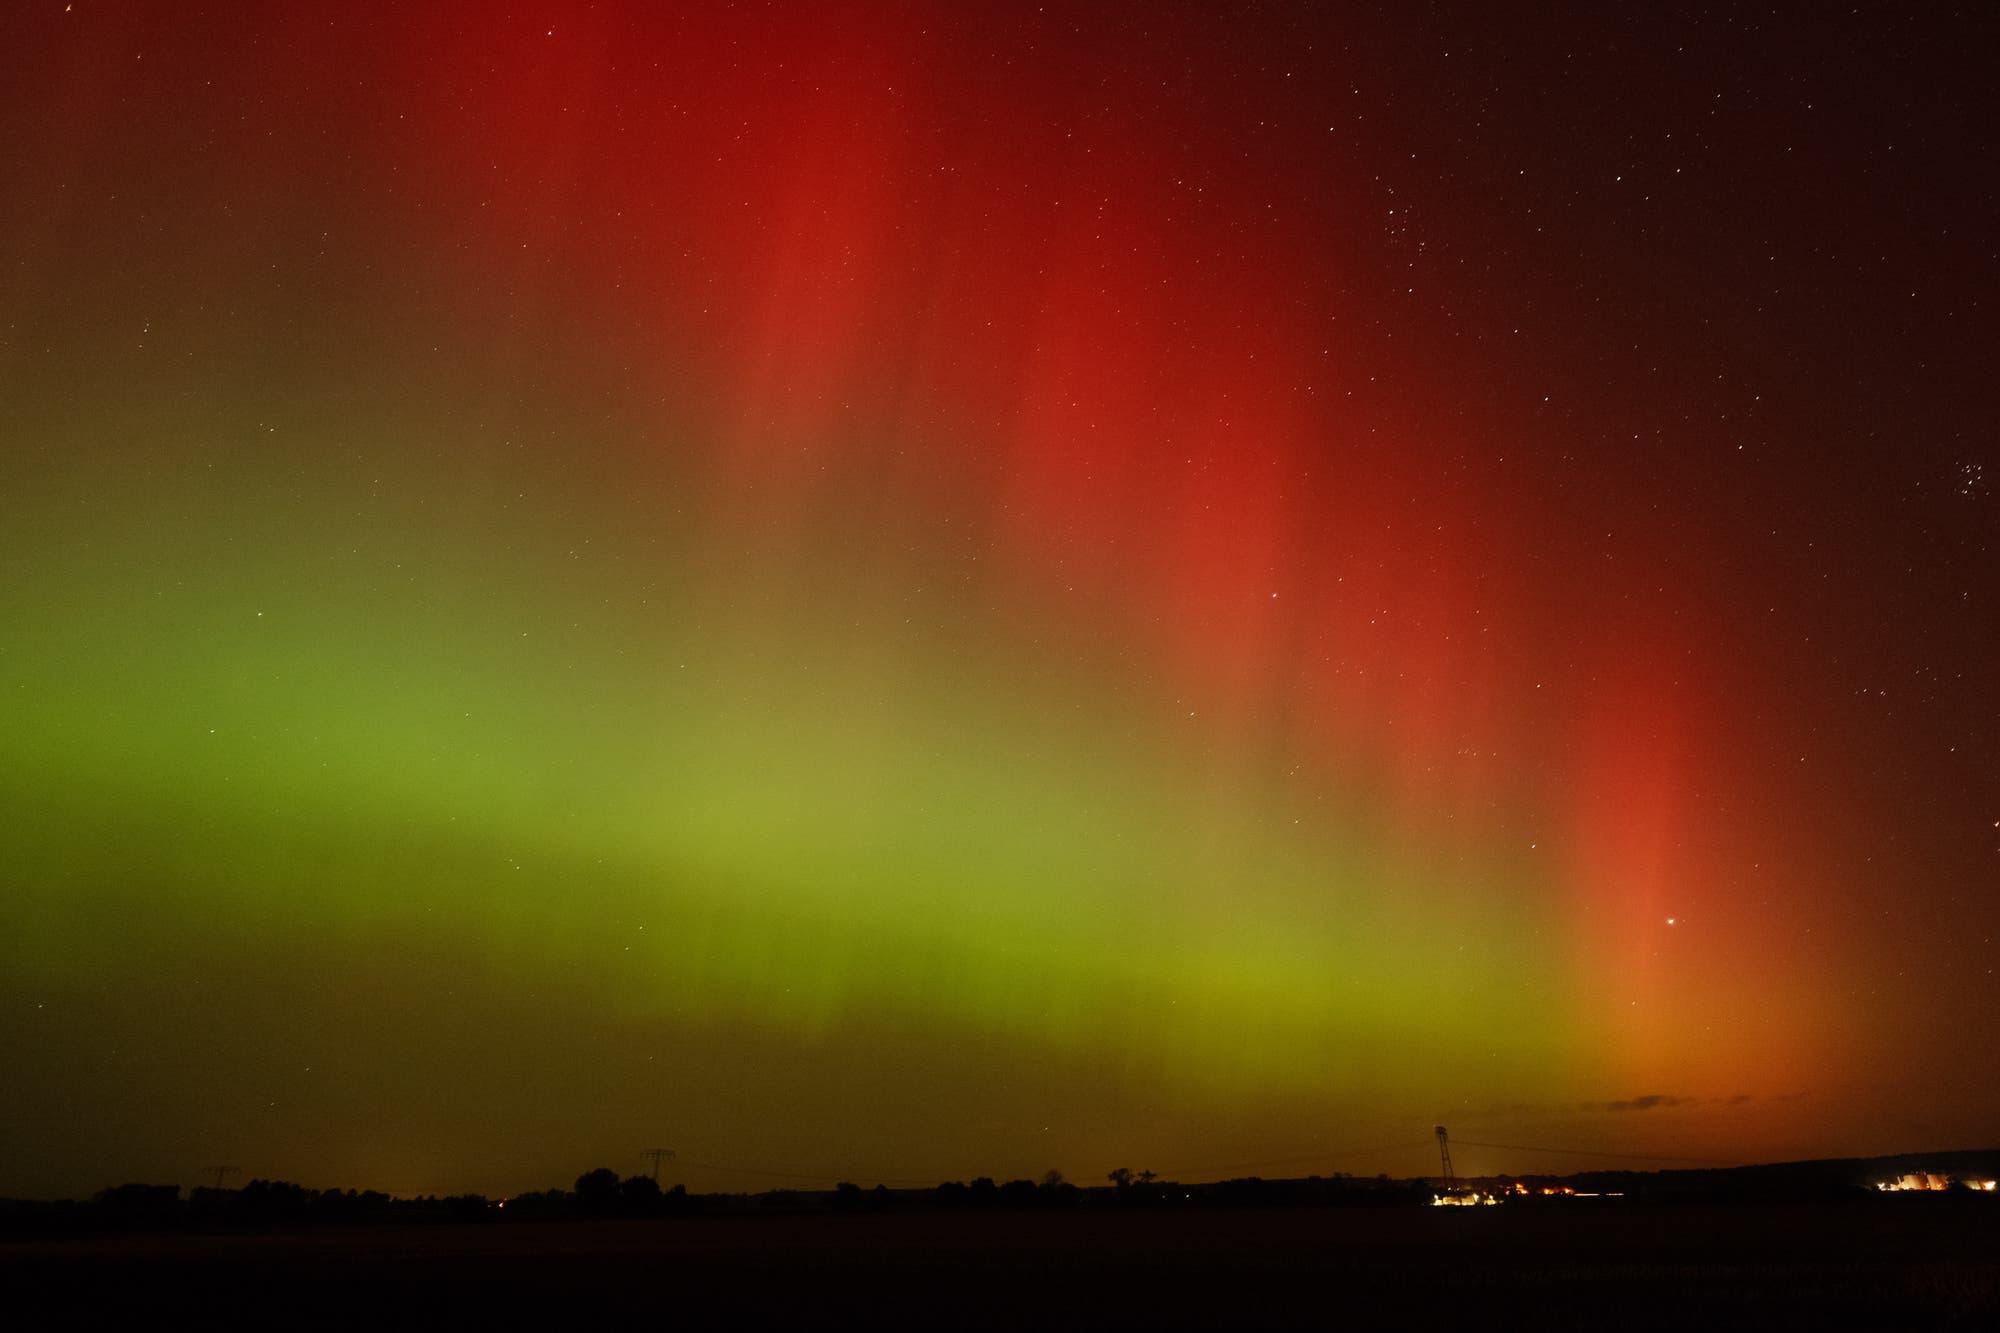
[[1664, 1101], [1652, 1101]]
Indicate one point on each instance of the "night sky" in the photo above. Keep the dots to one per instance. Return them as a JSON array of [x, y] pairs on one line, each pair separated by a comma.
[[909, 592]]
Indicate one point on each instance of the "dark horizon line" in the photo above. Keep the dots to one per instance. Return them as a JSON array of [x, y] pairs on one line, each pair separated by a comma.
[[911, 1185]]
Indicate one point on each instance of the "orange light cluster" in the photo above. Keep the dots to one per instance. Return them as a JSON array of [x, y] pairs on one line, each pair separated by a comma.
[[1931, 1180]]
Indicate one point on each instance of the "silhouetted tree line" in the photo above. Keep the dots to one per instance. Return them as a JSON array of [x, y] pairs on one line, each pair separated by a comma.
[[602, 1194], [1335, 1191], [1144, 1189], [258, 1205], [983, 1193]]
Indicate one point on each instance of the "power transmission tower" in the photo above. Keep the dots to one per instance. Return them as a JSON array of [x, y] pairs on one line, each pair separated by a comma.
[[658, 1155], [1444, 1156], [220, 1172]]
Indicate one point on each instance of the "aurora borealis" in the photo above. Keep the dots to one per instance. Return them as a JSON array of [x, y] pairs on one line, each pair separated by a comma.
[[901, 593]]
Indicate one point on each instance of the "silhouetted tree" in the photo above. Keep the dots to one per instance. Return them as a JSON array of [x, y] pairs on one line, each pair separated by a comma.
[[351, 1206], [540, 1204], [639, 1196], [139, 1205], [272, 1200], [597, 1191], [1133, 1187], [466, 1207]]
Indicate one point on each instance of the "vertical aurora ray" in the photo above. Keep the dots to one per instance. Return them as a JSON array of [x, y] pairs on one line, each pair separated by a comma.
[[739, 535]]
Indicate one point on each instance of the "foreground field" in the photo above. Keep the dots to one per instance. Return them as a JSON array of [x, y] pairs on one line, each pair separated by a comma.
[[1867, 1264]]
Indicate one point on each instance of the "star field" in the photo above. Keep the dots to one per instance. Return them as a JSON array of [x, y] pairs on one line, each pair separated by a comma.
[[953, 594]]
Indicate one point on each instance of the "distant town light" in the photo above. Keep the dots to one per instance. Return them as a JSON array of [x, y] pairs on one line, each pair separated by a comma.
[[1931, 1180], [1462, 1199]]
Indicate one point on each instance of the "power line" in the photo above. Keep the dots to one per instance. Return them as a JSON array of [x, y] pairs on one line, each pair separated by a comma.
[[1332, 1155], [1587, 1152], [805, 1175], [1408, 1146], [1328, 1155]]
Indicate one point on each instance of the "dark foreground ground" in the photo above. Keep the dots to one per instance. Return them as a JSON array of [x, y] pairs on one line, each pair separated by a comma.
[[1902, 1263]]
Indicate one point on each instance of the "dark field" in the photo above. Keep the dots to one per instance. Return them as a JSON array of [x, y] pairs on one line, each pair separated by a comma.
[[1901, 1263]]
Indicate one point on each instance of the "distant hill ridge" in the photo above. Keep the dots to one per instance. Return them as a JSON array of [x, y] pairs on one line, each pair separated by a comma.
[[1827, 1174]]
